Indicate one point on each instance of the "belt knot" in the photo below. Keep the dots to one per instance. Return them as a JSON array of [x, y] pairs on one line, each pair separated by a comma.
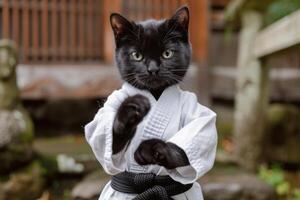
[[144, 181]]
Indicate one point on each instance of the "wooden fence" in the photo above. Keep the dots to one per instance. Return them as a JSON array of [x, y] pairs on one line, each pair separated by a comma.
[[58, 31], [256, 48], [54, 30], [143, 9]]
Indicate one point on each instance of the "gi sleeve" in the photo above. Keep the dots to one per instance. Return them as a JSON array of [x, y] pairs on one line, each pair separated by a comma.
[[198, 138], [99, 134]]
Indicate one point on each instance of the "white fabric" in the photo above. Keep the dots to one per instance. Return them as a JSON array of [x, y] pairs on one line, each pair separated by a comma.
[[176, 117]]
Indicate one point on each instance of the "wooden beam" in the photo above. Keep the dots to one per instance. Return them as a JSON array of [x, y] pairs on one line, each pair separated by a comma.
[[199, 37], [54, 30], [64, 30], [35, 51], [199, 29], [5, 19], [16, 21], [281, 35], [73, 30], [109, 6], [26, 30], [284, 83], [45, 29], [49, 82]]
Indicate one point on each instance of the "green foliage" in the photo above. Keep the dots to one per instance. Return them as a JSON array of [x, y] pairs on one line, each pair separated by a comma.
[[224, 134], [275, 177], [49, 165], [279, 9], [4, 178], [67, 194], [296, 194], [225, 129], [33, 167]]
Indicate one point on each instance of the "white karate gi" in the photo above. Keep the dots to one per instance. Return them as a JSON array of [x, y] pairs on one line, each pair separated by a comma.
[[176, 117]]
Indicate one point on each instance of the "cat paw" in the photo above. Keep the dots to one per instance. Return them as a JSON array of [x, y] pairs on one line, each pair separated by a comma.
[[156, 151], [133, 110], [130, 113], [145, 153]]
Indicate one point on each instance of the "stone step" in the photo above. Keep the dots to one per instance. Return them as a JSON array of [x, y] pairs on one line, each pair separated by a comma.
[[239, 186]]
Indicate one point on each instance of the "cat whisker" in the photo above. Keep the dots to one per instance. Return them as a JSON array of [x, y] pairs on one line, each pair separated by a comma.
[[175, 78], [128, 75], [177, 70]]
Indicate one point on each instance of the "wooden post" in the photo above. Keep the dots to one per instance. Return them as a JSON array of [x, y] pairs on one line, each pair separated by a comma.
[[98, 30], [16, 21], [73, 30], [251, 97], [35, 51], [109, 6], [5, 19], [26, 31], [64, 30], [45, 30], [54, 32], [199, 36], [199, 29]]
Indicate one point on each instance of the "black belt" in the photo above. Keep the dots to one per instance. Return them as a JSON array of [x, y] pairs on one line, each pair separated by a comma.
[[148, 186]]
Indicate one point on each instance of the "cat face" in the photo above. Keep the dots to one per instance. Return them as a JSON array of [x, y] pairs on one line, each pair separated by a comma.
[[152, 54]]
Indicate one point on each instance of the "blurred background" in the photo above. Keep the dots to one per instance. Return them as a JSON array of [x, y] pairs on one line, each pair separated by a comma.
[[60, 68]]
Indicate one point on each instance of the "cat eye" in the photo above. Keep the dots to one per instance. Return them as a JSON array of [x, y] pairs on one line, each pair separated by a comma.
[[167, 54], [136, 56]]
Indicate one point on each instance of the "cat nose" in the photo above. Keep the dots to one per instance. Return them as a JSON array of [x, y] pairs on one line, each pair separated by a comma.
[[153, 68]]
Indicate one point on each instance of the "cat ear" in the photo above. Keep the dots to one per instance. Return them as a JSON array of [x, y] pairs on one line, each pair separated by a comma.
[[120, 25], [182, 17]]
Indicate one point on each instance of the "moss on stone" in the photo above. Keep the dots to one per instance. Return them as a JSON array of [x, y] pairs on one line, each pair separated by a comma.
[[28, 135], [26, 184], [17, 131], [14, 156], [49, 165]]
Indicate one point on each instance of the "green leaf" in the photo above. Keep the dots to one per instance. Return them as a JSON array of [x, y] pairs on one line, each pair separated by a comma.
[[283, 188], [296, 194]]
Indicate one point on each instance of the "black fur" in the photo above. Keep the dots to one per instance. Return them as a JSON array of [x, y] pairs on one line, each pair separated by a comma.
[[143, 57], [151, 38], [129, 115], [156, 151]]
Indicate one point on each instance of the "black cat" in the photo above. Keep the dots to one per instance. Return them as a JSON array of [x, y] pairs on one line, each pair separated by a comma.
[[151, 55]]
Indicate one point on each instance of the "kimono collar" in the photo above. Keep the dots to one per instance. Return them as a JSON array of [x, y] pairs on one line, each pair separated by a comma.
[[159, 117]]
